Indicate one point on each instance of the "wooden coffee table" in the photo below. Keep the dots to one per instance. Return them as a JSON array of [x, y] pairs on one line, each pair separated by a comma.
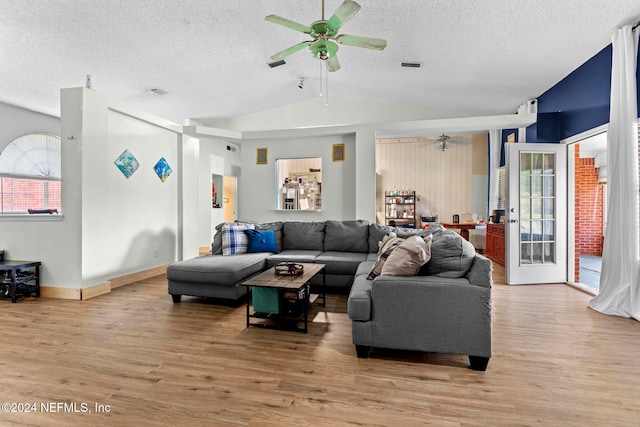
[[293, 297]]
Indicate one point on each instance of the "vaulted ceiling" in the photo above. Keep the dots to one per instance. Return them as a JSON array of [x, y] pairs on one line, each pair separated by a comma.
[[210, 56]]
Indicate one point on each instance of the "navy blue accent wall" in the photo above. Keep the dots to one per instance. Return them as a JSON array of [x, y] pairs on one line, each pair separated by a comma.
[[578, 102]]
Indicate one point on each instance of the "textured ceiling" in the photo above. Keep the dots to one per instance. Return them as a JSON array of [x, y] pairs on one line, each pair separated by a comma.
[[210, 56]]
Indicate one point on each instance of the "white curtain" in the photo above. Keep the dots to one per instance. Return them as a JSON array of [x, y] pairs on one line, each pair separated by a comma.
[[619, 288], [495, 147]]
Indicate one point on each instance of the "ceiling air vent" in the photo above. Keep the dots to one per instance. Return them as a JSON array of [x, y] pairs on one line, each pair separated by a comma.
[[411, 64], [275, 64], [157, 91]]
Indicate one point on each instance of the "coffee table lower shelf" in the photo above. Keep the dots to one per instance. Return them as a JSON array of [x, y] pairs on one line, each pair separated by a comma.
[[284, 322]]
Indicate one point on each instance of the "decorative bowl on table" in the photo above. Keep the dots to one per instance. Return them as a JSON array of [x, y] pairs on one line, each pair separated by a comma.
[[289, 269]]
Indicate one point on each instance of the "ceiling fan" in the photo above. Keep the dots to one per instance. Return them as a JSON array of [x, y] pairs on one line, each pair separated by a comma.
[[324, 35], [444, 141]]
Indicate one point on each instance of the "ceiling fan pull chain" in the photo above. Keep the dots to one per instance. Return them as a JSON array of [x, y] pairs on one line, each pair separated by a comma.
[[326, 88]]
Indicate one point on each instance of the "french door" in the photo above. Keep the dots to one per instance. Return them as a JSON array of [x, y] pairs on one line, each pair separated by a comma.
[[536, 214]]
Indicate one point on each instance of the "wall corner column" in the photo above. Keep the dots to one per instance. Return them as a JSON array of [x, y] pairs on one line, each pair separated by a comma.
[[365, 152]]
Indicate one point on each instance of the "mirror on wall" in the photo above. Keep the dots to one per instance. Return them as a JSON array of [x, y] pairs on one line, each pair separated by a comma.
[[299, 184]]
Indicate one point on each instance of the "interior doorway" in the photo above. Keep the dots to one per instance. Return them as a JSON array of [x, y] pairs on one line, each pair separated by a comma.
[[229, 198], [589, 203]]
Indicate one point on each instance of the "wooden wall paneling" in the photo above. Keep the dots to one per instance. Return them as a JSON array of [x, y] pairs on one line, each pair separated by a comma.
[[442, 180]]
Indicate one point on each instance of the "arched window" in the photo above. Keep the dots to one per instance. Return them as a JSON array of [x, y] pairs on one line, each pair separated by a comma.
[[30, 175]]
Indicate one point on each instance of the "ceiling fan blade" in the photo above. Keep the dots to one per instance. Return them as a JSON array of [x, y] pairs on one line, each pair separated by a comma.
[[332, 64], [343, 14], [359, 41], [288, 23], [290, 50]]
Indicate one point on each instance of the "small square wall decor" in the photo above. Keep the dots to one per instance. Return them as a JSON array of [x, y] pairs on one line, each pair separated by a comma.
[[163, 170], [262, 156], [127, 163]]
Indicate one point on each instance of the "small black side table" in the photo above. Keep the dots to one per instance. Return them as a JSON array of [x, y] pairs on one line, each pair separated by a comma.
[[14, 267]]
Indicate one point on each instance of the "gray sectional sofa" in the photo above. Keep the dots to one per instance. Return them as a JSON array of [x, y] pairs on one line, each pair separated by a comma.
[[446, 308]]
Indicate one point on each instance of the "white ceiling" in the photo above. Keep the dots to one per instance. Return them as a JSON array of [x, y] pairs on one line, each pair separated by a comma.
[[211, 56]]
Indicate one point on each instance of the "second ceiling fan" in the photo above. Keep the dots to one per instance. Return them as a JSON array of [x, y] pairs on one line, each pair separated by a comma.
[[324, 35]]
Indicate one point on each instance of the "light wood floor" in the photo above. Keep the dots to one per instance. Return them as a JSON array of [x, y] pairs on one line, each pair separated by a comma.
[[555, 362]]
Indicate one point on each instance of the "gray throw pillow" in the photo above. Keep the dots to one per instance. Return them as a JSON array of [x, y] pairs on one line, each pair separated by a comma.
[[451, 255], [376, 233]]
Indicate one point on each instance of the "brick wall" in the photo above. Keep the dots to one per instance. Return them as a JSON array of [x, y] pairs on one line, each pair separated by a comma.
[[588, 209]]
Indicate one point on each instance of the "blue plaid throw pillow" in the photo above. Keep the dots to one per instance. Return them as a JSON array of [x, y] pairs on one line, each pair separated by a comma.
[[234, 241]]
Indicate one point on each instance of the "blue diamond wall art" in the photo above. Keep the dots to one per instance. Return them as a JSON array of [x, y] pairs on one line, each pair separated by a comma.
[[163, 169], [127, 163]]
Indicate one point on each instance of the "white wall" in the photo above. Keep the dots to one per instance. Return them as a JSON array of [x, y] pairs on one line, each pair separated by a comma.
[[257, 187], [16, 122], [125, 225]]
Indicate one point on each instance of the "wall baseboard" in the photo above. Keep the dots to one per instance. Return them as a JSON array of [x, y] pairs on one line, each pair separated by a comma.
[[102, 288], [116, 282], [96, 290], [63, 293]]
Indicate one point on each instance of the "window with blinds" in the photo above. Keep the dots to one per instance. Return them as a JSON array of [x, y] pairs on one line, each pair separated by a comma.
[[502, 188], [30, 174]]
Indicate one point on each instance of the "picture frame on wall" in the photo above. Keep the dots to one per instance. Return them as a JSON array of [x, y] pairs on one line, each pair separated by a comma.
[[337, 152], [262, 156]]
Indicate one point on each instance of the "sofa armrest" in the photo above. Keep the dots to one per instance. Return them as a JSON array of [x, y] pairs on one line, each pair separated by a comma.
[[480, 273], [431, 314]]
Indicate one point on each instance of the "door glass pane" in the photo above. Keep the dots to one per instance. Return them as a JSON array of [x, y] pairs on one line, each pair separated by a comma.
[[536, 160], [525, 231], [525, 184], [548, 231], [525, 253], [525, 163], [536, 185], [536, 253], [548, 189], [549, 253], [550, 163], [537, 208], [525, 209], [548, 208], [536, 231]]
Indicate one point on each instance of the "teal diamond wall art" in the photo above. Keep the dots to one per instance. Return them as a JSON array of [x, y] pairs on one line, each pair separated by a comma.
[[163, 169], [127, 163]]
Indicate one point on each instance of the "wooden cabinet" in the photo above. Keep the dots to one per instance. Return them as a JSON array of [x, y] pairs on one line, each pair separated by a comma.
[[400, 209], [495, 243]]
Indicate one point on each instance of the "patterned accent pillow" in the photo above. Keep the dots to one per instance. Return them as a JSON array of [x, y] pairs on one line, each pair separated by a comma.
[[234, 241], [387, 245]]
